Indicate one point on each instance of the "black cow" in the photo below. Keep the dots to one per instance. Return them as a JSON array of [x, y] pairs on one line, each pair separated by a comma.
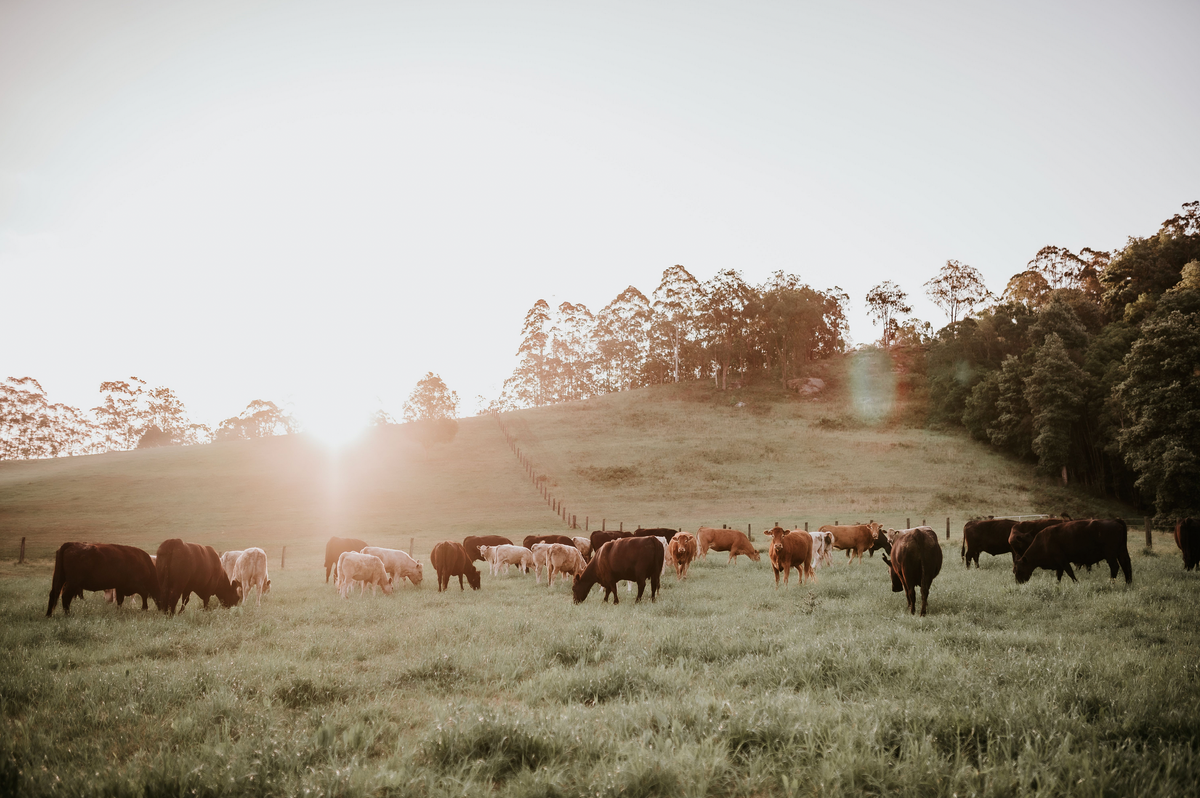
[[185, 568], [102, 566], [1187, 538], [1083, 542], [660, 532], [630, 558], [916, 560], [988, 535], [450, 559], [334, 549], [531, 540], [600, 538], [1023, 534], [472, 543]]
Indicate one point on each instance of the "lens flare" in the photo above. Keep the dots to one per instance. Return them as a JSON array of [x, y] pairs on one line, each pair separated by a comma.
[[872, 386]]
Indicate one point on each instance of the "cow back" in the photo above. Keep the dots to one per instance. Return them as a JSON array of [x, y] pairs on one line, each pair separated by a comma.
[[471, 544]]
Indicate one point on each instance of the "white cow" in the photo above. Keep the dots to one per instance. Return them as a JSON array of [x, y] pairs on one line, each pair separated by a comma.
[[585, 547], [497, 556], [366, 569], [822, 548], [110, 595], [398, 563], [558, 558], [668, 558], [251, 571], [228, 560]]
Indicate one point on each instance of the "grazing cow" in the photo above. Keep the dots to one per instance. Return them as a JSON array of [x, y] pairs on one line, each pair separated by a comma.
[[1023, 533], [855, 539], [472, 543], [559, 558], [365, 569], [334, 549], [1187, 538], [788, 550], [451, 559], [916, 559], [632, 559], [399, 564], [730, 540], [683, 551], [822, 543], [229, 559], [584, 545], [186, 568], [497, 556], [1084, 542], [110, 595], [127, 570], [657, 532], [600, 538], [249, 571], [530, 540], [988, 535]]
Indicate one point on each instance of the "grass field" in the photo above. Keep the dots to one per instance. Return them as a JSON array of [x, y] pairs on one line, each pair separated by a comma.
[[724, 686]]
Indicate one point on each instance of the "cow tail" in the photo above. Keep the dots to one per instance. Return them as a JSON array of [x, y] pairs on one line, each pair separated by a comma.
[[162, 568], [964, 548], [56, 583]]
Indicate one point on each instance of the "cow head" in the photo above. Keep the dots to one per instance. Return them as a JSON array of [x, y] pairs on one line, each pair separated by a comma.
[[473, 577], [883, 540], [580, 589], [229, 593], [416, 577], [896, 584], [386, 584], [1022, 569]]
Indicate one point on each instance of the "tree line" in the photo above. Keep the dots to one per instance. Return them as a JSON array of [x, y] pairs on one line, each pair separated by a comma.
[[723, 329]]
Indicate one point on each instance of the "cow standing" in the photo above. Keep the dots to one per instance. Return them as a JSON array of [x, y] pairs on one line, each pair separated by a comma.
[[731, 540], [365, 569], [186, 568], [250, 571], [1187, 538], [471, 544], [986, 535], [334, 549], [788, 550], [451, 559], [855, 539], [1083, 542], [127, 570], [632, 559], [683, 551], [398, 563], [1023, 533], [916, 560]]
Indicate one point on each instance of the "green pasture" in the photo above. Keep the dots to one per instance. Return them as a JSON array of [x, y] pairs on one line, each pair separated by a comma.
[[723, 686]]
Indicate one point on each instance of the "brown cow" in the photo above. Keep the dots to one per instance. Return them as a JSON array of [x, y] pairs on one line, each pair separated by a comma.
[[450, 559], [855, 539], [472, 543], [916, 559], [683, 551], [788, 550], [657, 532], [102, 566], [1023, 533], [632, 559], [600, 538], [1187, 538], [532, 539], [985, 535], [334, 549], [186, 568], [730, 540], [1083, 542]]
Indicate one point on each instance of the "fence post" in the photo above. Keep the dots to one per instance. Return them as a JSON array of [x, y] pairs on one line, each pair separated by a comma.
[[21, 559], [750, 532], [603, 524], [585, 523], [622, 529], [1149, 540], [410, 546], [947, 527], [805, 526], [908, 523], [283, 558]]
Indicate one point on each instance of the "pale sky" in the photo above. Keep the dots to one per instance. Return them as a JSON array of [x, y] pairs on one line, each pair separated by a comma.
[[316, 203]]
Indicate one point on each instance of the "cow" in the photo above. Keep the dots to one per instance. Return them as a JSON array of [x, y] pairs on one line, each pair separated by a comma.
[[472, 543], [229, 559], [249, 571], [584, 545], [1083, 542], [399, 564], [600, 538], [985, 535], [102, 566], [855, 539], [497, 556], [365, 569], [110, 595], [1187, 538], [916, 560], [632, 559], [558, 558], [730, 540], [668, 558], [334, 549], [822, 543], [451, 559], [186, 568], [657, 532], [788, 550], [683, 551], [1023, 533], [530, 540]]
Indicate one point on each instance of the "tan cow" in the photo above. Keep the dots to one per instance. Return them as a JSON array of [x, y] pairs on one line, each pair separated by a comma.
[[730, 540], [683, 551], [585, 546], [558, 558], [228, 560], [251, 571], [398, 564], [855, 539], [366, 569], [506, 555], [788, 550]]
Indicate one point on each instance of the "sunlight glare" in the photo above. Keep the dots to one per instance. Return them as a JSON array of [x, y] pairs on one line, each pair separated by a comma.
[[334, 422]]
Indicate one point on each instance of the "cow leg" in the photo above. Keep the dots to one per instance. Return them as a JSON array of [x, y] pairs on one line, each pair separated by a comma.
[[145, 602], [1126, 566], [460, 584], [641, 589], [654, 583], [910, 593], [121, 596], [924, 599], [1070, 572]]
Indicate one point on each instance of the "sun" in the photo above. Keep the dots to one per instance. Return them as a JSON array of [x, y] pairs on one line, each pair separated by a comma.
[[334, 424]]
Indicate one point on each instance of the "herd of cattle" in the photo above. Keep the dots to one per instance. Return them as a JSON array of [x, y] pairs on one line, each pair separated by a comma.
[[913, 558]]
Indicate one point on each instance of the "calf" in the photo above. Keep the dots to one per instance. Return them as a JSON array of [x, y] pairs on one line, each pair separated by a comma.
[[559, 559], [126, 570], [790, 550], [632, 559], [683, 551], [916, 560], [497, 556], [229, 559], [365, 569], [399, 564], [731, 540], [186, 568], [584, 545], [334, 549], [1187, 538], [1081, 542], [250, 570], [855, 539], [451, 559]]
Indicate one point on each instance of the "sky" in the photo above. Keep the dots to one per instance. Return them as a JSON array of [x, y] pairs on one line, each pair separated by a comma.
[[317, 203]]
